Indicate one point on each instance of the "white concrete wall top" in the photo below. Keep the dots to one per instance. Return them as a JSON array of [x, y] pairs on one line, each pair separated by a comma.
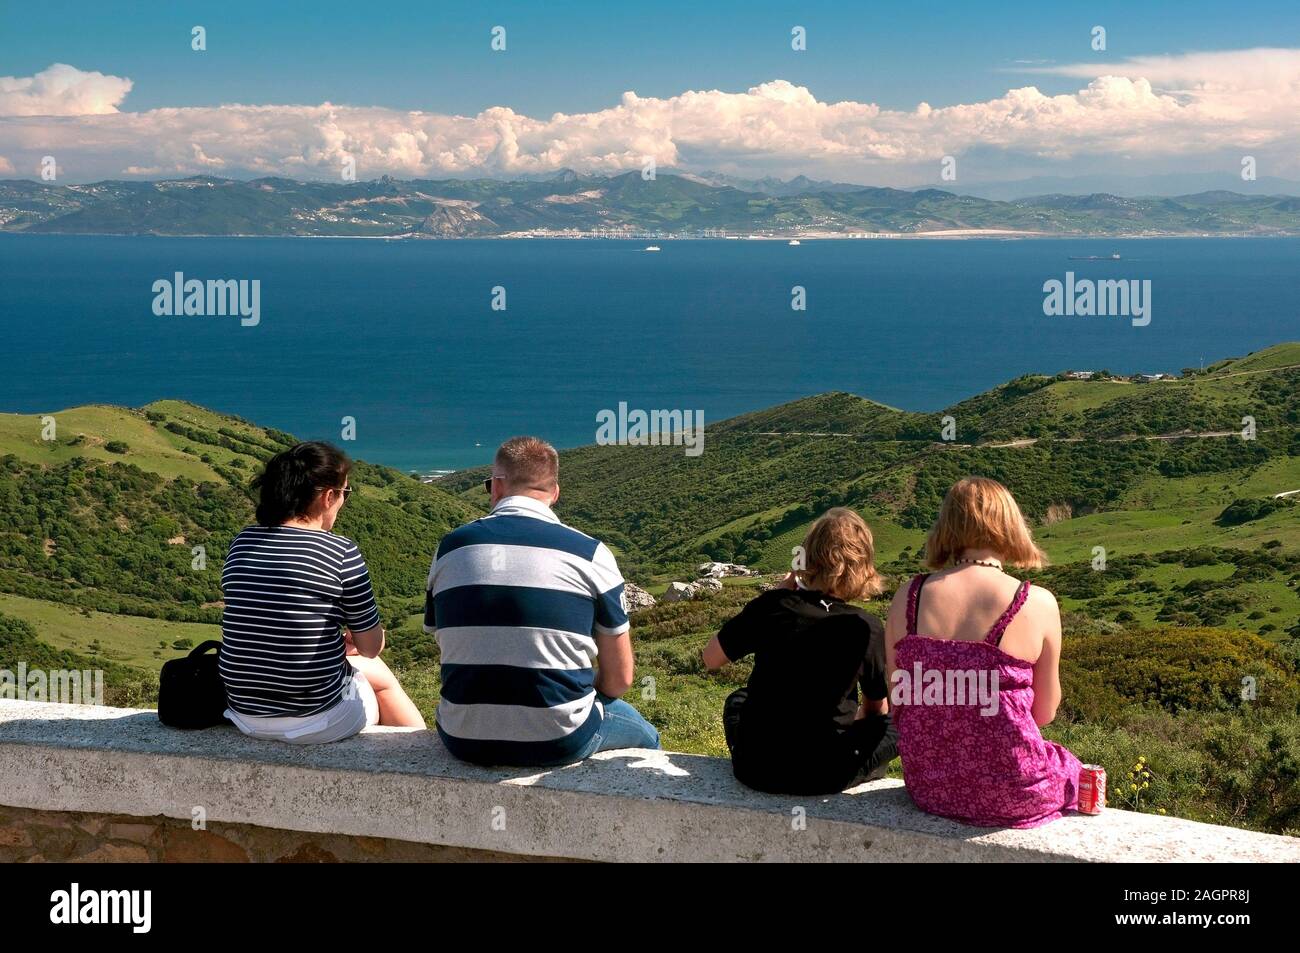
[[628, 805]]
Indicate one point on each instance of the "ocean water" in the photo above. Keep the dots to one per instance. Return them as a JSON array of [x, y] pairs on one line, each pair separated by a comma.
[[402, 336]]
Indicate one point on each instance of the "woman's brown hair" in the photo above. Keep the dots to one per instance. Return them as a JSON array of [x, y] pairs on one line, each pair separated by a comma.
[[840, 556], [979, 513]]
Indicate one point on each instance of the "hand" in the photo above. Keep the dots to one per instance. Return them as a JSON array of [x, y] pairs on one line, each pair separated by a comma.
[[789, 582], [349, 647]]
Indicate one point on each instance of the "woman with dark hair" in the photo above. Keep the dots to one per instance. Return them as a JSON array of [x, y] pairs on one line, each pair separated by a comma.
[[300, 632]]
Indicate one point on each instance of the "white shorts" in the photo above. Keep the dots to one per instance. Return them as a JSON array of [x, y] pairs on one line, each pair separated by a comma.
[[357, 708]]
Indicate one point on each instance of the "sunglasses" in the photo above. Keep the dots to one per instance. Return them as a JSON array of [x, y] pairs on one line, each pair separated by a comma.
[[487, 484]]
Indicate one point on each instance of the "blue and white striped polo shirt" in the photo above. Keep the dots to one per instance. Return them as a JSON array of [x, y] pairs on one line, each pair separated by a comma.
[[516, 599]]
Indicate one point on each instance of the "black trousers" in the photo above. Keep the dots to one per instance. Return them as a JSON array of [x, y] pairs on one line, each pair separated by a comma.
[[861, 752]]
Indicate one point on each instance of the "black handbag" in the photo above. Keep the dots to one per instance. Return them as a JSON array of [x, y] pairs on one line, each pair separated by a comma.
[[190, 691]]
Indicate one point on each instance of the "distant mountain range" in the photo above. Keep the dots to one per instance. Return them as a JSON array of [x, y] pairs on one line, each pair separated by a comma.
[[1155, 185], [1167, 185], [573, 204]]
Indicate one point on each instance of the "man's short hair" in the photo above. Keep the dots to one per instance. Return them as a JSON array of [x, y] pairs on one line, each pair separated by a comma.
[[527, 463]]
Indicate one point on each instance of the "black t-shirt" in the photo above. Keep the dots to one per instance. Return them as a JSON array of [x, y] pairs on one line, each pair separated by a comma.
[[812, 652]]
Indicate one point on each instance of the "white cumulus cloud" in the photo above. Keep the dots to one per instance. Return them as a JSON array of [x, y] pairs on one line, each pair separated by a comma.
[[62, 90], [1148, 109]]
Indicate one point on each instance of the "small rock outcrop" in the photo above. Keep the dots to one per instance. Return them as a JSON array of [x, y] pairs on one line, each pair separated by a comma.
[[722, 570], [682, 591], [634, 597]]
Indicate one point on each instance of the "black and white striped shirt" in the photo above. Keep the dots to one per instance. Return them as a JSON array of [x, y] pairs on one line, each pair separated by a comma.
[[288, 593]]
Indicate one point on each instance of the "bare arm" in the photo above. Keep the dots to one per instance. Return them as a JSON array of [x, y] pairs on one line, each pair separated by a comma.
[[873, 706], [895, 623], [895, 629], [714, 657], [616, 665], [369, 642], [1047, 676]]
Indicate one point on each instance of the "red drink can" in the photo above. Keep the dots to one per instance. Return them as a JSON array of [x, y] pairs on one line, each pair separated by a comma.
[[1092, 789]]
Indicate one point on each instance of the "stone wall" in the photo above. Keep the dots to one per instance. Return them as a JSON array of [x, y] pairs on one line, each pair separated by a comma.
[[32, 836], [94, 782]]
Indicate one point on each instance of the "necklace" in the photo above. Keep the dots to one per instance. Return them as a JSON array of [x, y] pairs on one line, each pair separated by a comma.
[[991, 563]]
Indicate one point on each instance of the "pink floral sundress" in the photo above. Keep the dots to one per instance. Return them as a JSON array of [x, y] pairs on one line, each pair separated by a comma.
[[989, 770]]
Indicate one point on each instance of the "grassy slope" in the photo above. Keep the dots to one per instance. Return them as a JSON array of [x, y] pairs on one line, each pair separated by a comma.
[[130, 640], [1272, 358], [1179, 513], [405, 517], [749, 481], [1079, 396], [150, 448], [1159, 513]]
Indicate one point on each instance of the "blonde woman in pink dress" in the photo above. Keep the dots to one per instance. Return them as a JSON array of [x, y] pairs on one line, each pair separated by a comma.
[[973, 658]]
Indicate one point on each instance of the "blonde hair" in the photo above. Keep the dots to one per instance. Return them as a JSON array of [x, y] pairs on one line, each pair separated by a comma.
[[979, 513], [840, 556], [527, 463]]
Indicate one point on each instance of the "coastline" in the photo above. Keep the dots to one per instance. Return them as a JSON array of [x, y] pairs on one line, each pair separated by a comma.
[[997, 234]]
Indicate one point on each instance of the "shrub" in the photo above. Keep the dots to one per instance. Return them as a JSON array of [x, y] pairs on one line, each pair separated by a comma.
[[1245, 511], [1177, 670]]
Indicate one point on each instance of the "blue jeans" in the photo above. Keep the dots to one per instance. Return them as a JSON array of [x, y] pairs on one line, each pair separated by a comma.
[[622, 727]]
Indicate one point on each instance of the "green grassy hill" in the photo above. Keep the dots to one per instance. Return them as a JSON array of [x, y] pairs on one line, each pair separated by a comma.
[[83, 432], [99, 525], [1133, 468], [1201, 584]]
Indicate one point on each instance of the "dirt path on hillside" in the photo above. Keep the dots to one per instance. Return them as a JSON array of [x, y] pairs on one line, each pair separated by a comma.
[[1128, 438], [1021, 441], [1262, 370]]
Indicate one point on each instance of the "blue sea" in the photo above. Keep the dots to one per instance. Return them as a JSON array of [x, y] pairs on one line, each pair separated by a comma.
[[402, 336]]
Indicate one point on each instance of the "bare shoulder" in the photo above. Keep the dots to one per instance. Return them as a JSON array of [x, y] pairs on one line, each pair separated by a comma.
[[1042, 605], [1041, 596]]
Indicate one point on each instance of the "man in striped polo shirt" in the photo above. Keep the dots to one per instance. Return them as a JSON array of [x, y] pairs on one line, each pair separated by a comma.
[[524, 607]]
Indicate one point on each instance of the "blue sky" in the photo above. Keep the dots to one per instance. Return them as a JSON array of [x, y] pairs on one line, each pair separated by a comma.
[[580, 56], [879, 96]]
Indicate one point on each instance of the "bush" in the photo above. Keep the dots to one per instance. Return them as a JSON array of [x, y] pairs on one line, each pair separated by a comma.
[[1245, 511], [1175, 669]]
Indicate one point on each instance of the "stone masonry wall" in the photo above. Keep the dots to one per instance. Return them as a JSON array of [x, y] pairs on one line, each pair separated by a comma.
[[36, 836]]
